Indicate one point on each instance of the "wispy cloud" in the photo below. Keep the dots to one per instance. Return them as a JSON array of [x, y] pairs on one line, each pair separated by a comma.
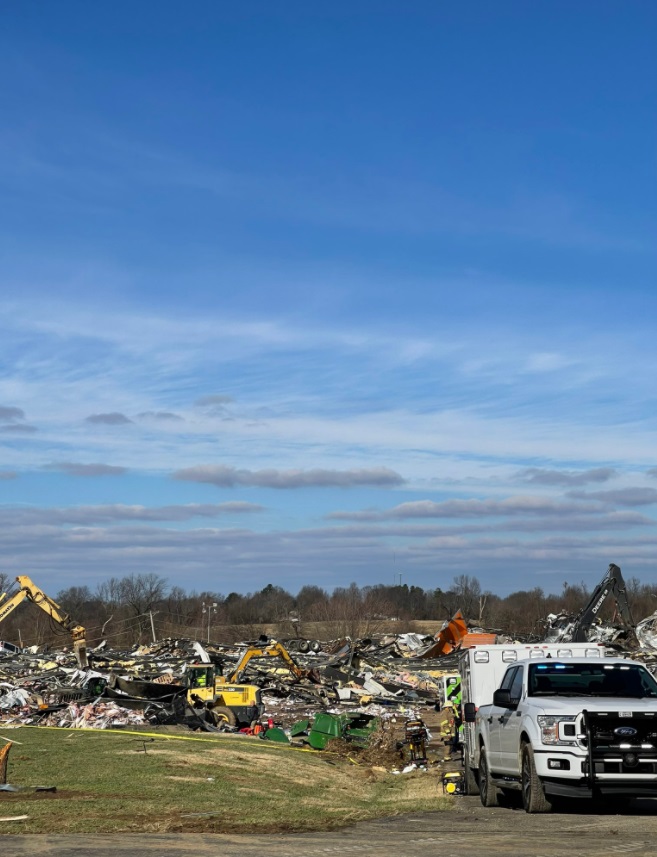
[[336, 556], [547, 361], [304, 396], [111, 419], [471, 509], [565, 478], [161, 416], [85, 516], [18, 428], [227, 477], [10, 414], [619, 496], [216, 399], [73, 468]]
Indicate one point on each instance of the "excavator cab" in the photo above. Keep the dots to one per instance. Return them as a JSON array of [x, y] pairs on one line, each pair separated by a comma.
[[235, 704], [200, 683]]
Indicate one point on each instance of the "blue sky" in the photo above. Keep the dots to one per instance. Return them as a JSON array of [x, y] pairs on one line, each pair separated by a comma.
[[317, 293]]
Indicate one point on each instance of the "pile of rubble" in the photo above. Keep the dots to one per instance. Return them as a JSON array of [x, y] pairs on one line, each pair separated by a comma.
[[388, 678], [183, 683]]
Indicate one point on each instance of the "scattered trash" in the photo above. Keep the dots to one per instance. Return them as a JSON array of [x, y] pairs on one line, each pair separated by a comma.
[[178, 681]]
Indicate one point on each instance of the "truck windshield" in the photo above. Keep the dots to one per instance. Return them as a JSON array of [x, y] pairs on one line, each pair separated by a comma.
[[572, 679]]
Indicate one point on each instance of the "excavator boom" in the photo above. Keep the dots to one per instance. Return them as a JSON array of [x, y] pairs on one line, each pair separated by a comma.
[[272, 650], [611, 585], [29, 591]]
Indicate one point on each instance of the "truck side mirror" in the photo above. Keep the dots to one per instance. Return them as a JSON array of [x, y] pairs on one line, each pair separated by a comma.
[[502, 699], [469, 712]]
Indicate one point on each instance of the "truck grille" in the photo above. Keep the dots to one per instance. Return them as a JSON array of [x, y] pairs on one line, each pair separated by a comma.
[[621, 742]]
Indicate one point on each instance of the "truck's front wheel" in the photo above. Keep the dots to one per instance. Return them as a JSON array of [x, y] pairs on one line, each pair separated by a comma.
[[487, 789], [533, 794]]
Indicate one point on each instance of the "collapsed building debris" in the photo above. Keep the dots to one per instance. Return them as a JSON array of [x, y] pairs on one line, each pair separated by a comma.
[[177, 681], [256, 687]]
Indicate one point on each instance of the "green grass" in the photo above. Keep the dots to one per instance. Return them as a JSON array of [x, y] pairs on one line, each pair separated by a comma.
[[105, 782]]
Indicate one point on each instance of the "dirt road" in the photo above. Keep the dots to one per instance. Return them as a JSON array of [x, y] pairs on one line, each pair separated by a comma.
[[468, 831]]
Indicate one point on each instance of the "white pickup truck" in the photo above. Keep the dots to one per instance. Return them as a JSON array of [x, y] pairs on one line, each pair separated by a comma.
[[564, 728]]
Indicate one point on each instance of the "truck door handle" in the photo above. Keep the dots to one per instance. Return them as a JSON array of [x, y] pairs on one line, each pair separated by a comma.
[[490, 719], [500, 719]]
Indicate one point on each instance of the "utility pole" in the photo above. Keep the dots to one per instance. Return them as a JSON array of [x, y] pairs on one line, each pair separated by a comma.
[[209, 609], [150, 613]]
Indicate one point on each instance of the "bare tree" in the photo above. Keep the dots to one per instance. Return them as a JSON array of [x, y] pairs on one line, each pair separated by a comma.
[[5, 582], [141, 594]]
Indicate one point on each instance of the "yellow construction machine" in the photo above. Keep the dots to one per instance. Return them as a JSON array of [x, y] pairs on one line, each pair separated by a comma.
[[29, 591], [225, 697]]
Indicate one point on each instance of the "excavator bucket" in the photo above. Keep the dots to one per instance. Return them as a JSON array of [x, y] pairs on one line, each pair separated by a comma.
[[449, 637]]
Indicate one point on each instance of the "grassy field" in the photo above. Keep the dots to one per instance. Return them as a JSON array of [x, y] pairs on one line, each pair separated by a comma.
[[105, 782]]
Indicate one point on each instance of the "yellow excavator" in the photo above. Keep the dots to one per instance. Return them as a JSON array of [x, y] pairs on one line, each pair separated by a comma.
[[29, 591], [225, 697]]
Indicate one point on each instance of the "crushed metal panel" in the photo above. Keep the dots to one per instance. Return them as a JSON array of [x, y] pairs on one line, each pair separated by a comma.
[[277, 735], [448, 638], [646, 632]]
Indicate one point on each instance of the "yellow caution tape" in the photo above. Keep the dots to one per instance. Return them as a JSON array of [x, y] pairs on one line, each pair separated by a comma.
[[269, 744], [122, 732]]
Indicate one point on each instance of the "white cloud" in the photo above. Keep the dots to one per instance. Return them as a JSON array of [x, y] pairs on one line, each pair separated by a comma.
[[86, 516]]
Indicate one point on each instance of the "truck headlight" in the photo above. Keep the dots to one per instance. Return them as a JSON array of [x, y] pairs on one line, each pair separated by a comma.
[[549, 727]]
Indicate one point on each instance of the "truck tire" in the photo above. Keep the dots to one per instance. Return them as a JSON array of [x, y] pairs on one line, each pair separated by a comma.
[[487, 789], [533, 794], [470, 777]]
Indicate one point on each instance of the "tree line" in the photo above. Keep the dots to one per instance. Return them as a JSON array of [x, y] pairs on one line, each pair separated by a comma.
[[128, 610]]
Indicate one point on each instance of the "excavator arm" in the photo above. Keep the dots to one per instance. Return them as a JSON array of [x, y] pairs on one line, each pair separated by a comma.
[[272, 650], [29, 591], [611, 585], [8, 605]]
